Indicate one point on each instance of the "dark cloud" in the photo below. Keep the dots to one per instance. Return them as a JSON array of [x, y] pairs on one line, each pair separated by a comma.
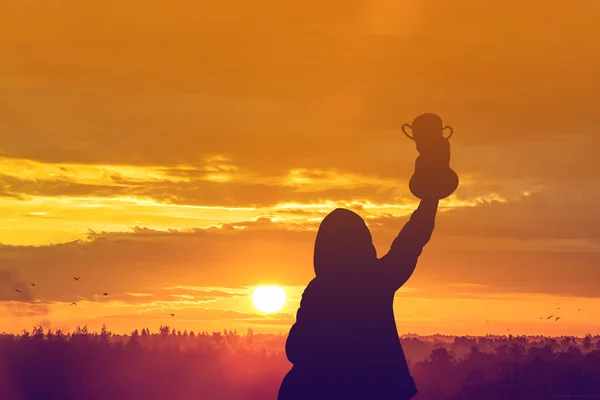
[[10, 282], [27, 310], [510, 247], [545, 243], [132, 262], [551, 215], [326, 91]]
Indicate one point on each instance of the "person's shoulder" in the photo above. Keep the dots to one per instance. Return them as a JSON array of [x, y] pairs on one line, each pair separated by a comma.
[[310, 291]]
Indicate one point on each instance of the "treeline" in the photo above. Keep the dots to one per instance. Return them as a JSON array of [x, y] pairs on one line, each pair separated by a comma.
[[171, 364]]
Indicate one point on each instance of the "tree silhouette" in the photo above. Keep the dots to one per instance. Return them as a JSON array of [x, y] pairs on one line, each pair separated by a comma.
[[587, 342], [102, 365]]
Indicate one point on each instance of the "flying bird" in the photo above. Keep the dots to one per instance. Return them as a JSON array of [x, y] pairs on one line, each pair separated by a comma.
[[557, 318], [558, 308], [17, 290], [73, 304], [172, 315], [105, 294], [550, 316], [76, 278], [33, 284], [579, 309]]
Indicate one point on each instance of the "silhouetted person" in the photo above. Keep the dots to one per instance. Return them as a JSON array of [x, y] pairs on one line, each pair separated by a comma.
[[345, 344]]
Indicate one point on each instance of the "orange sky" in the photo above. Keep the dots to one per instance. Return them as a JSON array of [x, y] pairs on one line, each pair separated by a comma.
[[177, 155]]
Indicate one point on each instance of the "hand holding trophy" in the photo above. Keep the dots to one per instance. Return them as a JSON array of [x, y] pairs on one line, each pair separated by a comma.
[[433, 177]]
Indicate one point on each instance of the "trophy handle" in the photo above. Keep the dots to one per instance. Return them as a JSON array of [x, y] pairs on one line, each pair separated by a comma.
[[451, 131], [406, 133]]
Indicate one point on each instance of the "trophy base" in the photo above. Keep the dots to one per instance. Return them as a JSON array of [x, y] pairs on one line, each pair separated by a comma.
[[430, 186]]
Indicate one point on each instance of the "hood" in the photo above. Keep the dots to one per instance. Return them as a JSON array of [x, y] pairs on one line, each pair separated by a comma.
[[344, 245]]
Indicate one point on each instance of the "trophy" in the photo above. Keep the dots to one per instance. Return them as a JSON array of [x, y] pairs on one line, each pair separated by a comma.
[[433, 177]]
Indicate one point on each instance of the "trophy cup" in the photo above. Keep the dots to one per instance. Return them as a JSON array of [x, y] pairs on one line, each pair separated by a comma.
[[433, 177]]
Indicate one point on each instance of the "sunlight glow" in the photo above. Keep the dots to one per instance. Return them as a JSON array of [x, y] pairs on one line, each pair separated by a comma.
[[269, 299]]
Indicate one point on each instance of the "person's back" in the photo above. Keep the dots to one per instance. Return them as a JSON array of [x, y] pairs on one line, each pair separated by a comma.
[[344, 343]]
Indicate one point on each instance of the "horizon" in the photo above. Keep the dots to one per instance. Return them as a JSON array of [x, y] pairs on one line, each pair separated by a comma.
[[282, 334]]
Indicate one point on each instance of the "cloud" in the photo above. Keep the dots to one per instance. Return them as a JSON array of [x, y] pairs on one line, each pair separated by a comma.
[[10, 282], [20, 309], [336, 102], [507, 246], [206, 293], [188, 315], [134, 261], [28, 178]]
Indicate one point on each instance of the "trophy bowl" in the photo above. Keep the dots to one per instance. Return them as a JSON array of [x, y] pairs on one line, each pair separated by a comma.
[[433, 177]]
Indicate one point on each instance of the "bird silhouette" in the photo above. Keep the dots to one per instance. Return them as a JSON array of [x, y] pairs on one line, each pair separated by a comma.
[[557, 318], [17, 290], [33, 285], [172, 315], [76, 278], [550, 316], [487, 320], [73, 304], [558, 308], [579, 309], [105, 294]]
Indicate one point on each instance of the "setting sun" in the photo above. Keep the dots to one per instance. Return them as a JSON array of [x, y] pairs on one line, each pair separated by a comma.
[[269, 298]]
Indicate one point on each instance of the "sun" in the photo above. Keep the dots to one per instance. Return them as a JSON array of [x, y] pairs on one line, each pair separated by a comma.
[[269, 299]]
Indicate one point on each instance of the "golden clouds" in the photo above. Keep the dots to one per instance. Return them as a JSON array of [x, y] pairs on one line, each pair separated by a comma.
[[314, 180], [48, 202], [30, 170]]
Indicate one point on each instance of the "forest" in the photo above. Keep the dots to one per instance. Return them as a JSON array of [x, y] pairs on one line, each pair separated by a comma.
[[170, 364]]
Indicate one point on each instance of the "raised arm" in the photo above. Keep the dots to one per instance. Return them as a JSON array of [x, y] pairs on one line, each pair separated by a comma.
[[400, 262]]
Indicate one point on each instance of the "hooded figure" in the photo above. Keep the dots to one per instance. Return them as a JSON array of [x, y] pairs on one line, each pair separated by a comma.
[[345, 344]]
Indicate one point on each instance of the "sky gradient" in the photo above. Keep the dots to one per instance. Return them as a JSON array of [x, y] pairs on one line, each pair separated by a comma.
[[178, 155]]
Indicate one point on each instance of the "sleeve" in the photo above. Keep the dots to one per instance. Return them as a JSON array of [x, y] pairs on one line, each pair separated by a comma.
[[308, 342], [303, 336], [399, 263], [314, 339]]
